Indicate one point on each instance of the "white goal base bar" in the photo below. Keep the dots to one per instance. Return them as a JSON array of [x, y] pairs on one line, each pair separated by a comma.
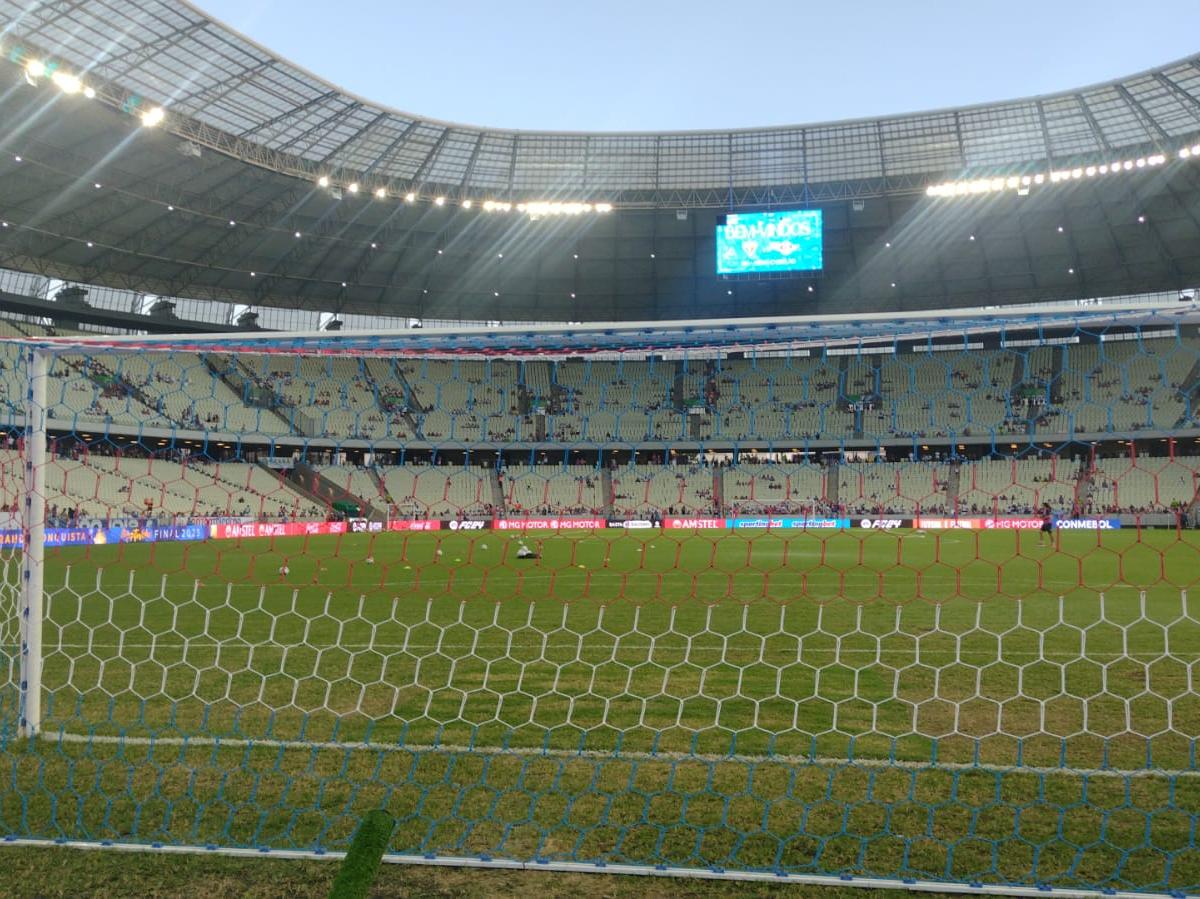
[[451, 861]]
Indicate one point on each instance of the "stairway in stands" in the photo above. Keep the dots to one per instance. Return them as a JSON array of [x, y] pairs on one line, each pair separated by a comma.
[[499, 506], [386, 374], [678, 400], [953, 482], [309, 482], [1189, 389], [243, 384], [1083, 485]]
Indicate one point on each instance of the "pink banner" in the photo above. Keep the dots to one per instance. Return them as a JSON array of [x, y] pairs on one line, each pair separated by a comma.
[[987, 524], [945, 523], [414, 526], [276, 529], [549, 524]]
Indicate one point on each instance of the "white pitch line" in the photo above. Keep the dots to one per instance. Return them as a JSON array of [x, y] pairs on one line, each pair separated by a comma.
[[613, 755], [474, 650]]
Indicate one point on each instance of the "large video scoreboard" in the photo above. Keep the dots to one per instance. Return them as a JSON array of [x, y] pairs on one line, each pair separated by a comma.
[[769, 242]]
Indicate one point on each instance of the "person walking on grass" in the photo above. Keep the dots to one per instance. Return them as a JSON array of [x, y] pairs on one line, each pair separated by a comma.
[[1047, 529]]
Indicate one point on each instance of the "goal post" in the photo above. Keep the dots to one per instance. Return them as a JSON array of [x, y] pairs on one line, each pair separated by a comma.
[[579, 615], [33, 528]]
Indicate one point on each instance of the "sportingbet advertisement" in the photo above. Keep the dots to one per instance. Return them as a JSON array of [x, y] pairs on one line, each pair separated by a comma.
[[765, 242]]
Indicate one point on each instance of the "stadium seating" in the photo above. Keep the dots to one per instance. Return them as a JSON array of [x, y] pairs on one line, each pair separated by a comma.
[[1087, 388], [1144, 484], [1007, 397], [433, 491], [102, 487], [999, 486], [640, 490]]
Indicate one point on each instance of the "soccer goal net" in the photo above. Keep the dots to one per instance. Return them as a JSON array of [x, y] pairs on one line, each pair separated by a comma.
[[916, 616]]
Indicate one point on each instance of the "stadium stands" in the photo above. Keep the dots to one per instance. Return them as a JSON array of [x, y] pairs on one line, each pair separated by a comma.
[[1003, 398], [1091, 389]]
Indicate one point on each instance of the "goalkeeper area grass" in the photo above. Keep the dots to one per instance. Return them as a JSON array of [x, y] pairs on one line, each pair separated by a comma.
[[962, 705]]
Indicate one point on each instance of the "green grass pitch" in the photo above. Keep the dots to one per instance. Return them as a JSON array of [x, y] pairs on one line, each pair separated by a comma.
[[646, 697]]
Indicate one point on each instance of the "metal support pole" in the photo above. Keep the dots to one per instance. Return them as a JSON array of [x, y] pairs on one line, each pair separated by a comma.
[[33, 527]]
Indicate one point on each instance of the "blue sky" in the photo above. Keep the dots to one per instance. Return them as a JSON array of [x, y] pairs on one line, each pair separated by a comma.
[[668, 64]]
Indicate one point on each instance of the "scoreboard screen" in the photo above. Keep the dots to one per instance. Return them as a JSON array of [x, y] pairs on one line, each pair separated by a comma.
[[767, 242]]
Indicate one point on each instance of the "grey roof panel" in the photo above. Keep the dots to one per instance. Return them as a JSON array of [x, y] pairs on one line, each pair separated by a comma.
[[221, 87]]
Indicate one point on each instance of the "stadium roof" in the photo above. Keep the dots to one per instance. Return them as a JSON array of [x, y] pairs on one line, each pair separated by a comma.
[[868, 333], [222, 200], [230, 93]]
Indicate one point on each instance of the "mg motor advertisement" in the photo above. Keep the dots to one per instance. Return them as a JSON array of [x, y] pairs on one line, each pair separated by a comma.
[[1009, 524], [550, 524]]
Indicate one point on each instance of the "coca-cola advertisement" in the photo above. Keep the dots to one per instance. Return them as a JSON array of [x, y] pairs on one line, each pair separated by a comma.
[[418, 525]]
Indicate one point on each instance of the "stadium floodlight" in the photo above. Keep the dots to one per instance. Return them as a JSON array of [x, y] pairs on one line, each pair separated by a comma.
[[67, 83], [323, 181], [1020, 183], [380, 193], [152, 118], [90, 93], [35, 68], [466, 204], [410, 197], [439, 201], [352, 187]]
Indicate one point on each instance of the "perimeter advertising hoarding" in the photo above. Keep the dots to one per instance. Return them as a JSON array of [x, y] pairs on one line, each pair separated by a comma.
[[97, 536], [790, 523], [276, 529], [418, 525], [1018, 523], [694, 524], [763, 521], [550, 524], [769, 242]]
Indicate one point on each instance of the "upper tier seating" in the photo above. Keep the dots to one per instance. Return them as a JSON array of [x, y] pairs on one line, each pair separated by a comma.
[[1087, 388]]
